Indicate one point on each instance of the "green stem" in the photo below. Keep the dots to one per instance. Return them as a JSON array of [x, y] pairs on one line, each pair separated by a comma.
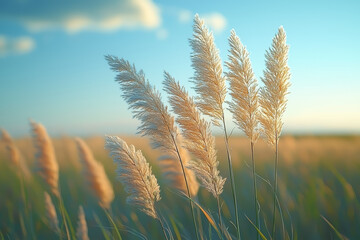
[[62, 210], [219, 213], [275, 188], [112, 223], [232, 179], [163, 228], [187, 188], [255, 190]]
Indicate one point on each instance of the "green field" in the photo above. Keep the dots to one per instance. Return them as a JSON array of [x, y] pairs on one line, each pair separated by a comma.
[[318, 176]]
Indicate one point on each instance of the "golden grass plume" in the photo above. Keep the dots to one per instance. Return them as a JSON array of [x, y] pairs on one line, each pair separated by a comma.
[[82, 230], [156, 121], [95, 175], [276, 83], [197, 133], [208, 78], [51, 215], [46, 159], [243, 89], [135, 174]]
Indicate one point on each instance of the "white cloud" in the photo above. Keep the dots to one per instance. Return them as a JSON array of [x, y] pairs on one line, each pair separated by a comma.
[[185, 16], [14, 46], [75, 16], [215, 21], [162, 34]]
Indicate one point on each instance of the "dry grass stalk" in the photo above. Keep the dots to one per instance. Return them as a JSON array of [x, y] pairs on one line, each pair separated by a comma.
[[276, 83], [156, 122], [135, 174], [47, 164], [197, 133], [95, 175], [82, 230], [51, 213], [243, 89], [208, 79]]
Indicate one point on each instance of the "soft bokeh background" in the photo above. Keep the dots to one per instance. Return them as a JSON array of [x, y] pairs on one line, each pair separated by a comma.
[[52, 66]]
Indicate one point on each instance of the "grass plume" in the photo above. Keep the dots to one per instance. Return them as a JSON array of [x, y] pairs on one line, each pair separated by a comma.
[[95, 175], [273, 98], [208, 79], [82, 230], [51, 215], [135, 174], [245, 104], [156, 122], [45, 154]]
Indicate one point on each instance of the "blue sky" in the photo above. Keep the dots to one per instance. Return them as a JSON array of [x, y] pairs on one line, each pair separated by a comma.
[[52, 66]]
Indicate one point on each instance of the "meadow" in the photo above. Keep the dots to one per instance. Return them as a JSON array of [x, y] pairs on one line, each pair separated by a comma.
[[318, 176]]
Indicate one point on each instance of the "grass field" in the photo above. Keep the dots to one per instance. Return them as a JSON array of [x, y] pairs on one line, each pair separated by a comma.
[[318, 176]]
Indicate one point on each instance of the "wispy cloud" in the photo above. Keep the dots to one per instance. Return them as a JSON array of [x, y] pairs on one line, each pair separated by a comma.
[[75, 16], [14, 46], [162, 34], [216, 21]]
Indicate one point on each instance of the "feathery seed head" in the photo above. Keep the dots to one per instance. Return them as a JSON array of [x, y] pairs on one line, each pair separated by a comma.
[[156, 121], [51, 213], [46, 159], [95, 175], [276, 83], [135, 174], [82, 230], [198, 138], [243, 89], [208, 78], [10, 146]]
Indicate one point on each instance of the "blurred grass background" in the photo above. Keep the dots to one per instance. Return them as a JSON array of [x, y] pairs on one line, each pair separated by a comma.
[[318, 176]]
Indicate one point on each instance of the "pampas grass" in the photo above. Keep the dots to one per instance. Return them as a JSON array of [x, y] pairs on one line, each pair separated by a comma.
[[82, 230], [14, 153], [208, 79], [15, 156], [245, 104], [243, 89], [135, 174], [156, 123], [199, 140], [273, 98], [51, 215], [45, 154], [210, 85], [95, 175]]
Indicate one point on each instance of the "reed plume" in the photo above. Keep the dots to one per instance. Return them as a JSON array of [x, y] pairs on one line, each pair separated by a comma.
[[243, 89], [47, 164], [210, 85], [135, 174], [245, 104], [156, 123], [197, 133], [51, 214], [273, 98], [82, 230], [14, 153], [208, 79], [95, 175]]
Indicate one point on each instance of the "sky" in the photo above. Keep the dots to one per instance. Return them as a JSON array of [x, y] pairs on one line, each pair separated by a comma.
[[53, 71]]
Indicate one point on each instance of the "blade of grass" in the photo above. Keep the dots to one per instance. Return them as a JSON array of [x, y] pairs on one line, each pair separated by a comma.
[[260, 233], [340, 236]]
